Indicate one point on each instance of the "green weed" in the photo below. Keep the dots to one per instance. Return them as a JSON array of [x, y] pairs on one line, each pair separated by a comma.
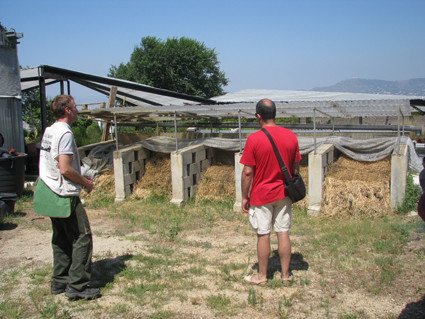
[[218, 302], [38, 276], [11, 309], [412, 195], [254, 299], [161, 315]]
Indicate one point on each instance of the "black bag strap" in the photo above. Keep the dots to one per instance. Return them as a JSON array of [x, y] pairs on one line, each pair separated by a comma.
[[279, 158]]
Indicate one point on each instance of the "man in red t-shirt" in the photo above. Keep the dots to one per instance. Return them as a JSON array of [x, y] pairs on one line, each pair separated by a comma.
[[266, 203]]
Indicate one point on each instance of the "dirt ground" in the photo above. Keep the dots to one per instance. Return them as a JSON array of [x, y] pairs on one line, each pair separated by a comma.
[[27, 246]]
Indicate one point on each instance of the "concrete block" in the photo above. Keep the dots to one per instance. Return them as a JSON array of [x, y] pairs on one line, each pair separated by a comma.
[[127, 167], [187, 182], [399, 168], [137, 166], [313, 210], [128, 156], [144, 153], [237, 207], [176, 160], [189, 153], [129, 179], [193, 190], [194, 169], [317, 167], [127, 190], [176, 201], [198, 178], [201, 155], [238, 187], [204, 165], [186, 157], [119, 177]]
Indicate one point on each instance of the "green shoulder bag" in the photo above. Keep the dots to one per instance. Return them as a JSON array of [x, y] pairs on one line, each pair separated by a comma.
[[48, 203]]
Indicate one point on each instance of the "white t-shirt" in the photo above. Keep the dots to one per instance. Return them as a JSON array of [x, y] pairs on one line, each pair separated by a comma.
[[58, 140]]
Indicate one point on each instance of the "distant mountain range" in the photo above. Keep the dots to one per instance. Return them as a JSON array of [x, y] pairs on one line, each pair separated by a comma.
[[408, 87]]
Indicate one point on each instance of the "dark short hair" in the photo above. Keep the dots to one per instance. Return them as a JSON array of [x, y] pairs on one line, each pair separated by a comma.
[[60, 103], [266, 108]]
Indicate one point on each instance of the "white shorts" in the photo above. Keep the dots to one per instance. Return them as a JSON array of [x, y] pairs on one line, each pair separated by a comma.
[[277, 213]]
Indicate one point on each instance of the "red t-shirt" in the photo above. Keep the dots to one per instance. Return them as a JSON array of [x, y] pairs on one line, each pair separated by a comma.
[[267, 186]]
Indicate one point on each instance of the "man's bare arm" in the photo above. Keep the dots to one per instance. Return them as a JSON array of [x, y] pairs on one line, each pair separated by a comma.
[[66, 169], [246, 179]]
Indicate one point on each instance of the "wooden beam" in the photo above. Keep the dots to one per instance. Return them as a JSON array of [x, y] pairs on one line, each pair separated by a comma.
[[111, 103]]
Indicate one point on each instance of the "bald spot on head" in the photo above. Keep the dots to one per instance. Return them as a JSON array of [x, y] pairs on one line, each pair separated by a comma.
[[267, 109]]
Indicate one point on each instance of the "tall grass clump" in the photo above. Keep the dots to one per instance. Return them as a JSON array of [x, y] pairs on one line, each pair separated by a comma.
[[412, 195]]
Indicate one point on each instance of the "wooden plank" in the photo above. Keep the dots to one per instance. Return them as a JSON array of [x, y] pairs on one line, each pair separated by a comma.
[[111, 103]]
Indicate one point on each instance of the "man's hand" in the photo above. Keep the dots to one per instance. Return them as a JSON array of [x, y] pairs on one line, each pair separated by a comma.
[[245, 205], [89, 185]]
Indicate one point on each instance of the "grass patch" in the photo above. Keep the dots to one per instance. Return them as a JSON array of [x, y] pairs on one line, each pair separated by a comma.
[[190, 261], [219, 302]]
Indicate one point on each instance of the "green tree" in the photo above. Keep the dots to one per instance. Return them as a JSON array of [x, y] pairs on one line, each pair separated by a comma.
[[85, 130], [182, 65], [31, 113]]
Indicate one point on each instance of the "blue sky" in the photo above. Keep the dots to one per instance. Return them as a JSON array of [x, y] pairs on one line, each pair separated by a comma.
[[279, 44]]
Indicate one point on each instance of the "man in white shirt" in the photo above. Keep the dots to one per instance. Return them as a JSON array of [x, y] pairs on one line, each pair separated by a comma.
[[72, 238]]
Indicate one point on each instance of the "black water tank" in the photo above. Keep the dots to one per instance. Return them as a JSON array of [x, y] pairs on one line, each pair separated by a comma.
[[12, 173]]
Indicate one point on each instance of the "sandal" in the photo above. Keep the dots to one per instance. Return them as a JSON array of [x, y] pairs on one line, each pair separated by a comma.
[[255, 282], [287, 280]]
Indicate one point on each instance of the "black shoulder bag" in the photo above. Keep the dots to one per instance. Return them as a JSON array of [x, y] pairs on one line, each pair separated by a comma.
[[294, 186]]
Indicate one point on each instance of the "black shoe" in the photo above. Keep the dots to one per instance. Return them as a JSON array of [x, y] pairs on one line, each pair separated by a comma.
[[57, 288], [86, 293]]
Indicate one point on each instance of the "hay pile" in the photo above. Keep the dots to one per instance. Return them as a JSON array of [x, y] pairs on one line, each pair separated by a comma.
[[218, 183], [157, 178], [357, 188]]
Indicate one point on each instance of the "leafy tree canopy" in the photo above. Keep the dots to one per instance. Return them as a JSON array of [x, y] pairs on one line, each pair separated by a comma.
[[31, 113], [182, 65]]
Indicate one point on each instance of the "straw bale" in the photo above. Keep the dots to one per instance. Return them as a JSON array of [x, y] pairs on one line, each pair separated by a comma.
[[157, 177], [217, 183], [357, 188], [348, 169]]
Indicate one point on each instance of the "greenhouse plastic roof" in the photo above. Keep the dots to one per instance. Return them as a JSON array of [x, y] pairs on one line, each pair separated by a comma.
[[158, 104], [288, 104]]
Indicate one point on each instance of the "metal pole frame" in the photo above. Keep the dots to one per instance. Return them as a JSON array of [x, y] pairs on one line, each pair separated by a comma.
[[240, 131], [314, 130], [175, 131], [43, 102], [116, 131], [400, 113], [314, 125]]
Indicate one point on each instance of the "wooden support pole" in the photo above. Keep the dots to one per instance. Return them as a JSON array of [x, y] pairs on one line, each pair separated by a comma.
[[111, 103]]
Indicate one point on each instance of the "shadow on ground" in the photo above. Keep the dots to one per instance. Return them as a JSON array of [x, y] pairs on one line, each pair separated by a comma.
[[414, 310], [297, 263], [105, 270], [7, 226]]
